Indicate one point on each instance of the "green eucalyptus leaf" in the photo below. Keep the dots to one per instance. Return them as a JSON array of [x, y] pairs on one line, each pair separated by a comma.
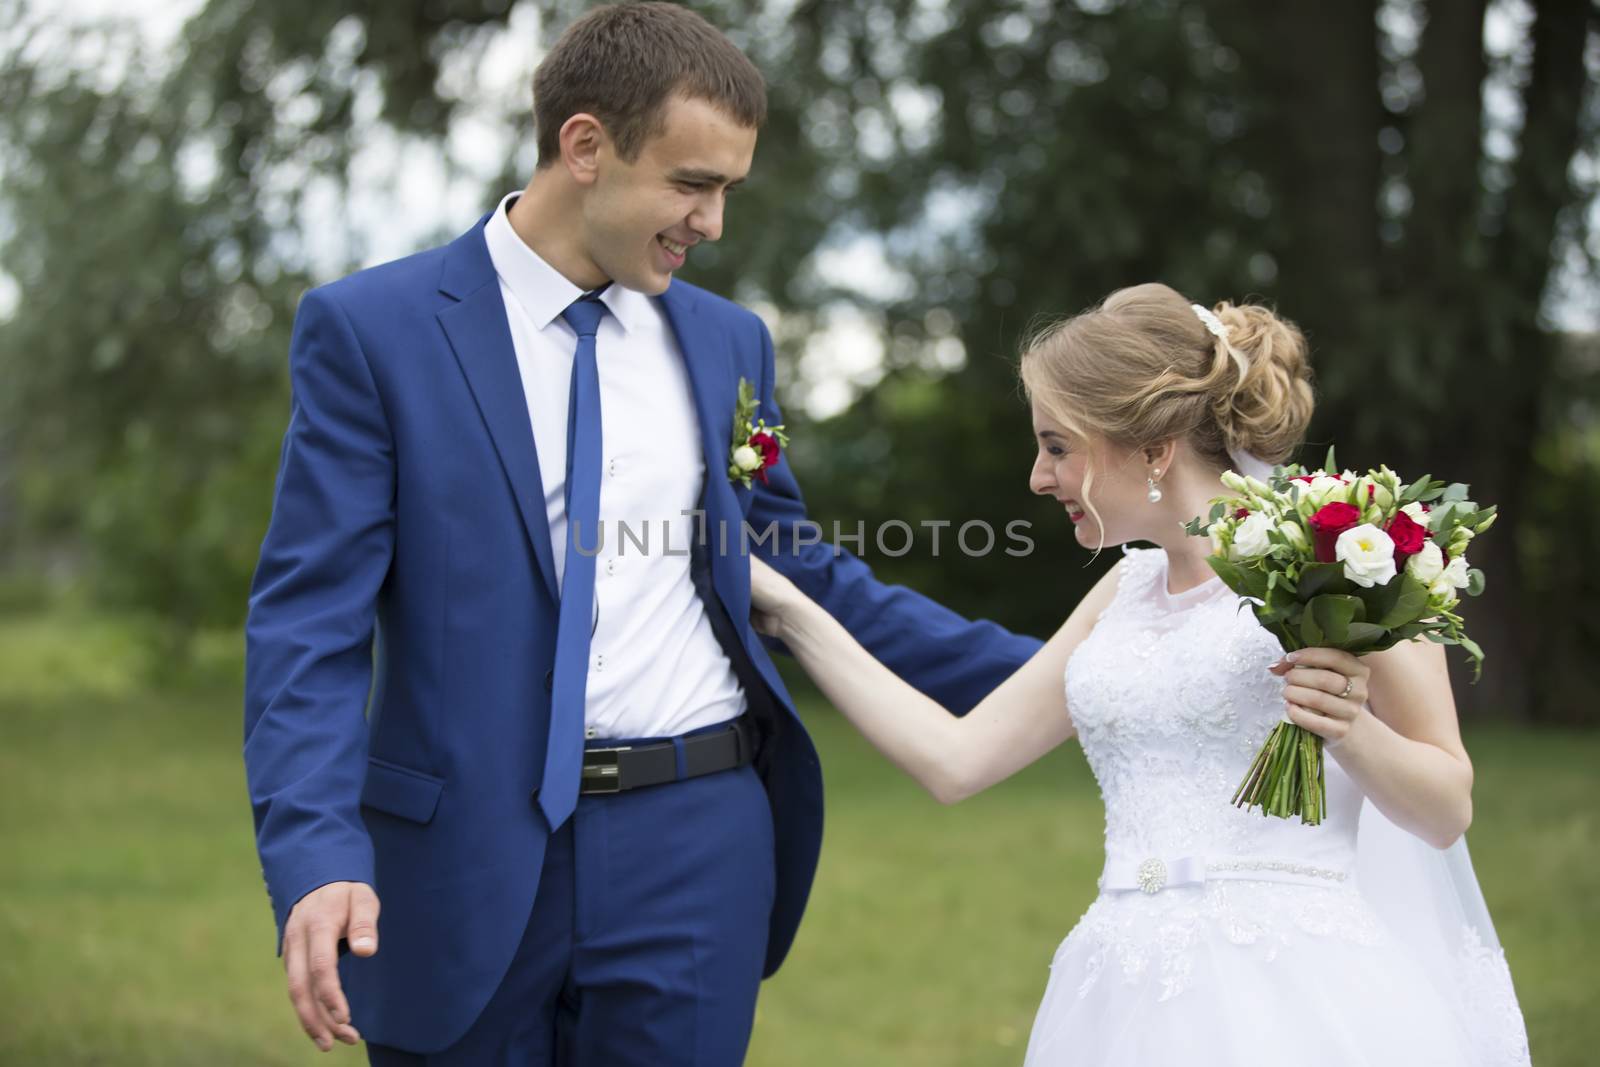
[[1412, 630], [1403, 601], [1231, 575], [1310, 632], [1331, 616], [1255, 582], [1319, 578], [1365, 637], [1476, 653], [1280, 600]]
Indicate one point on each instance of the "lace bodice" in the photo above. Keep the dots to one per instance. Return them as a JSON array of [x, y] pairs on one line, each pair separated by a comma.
[[1172, 698]]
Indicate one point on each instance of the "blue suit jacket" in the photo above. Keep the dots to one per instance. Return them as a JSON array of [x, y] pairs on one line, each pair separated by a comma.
[[402, 627]]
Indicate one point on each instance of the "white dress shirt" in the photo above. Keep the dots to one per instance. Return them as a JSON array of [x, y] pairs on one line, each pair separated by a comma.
[[655, 666]]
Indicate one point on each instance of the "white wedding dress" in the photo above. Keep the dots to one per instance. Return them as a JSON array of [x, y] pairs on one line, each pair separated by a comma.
[[1222, 938]]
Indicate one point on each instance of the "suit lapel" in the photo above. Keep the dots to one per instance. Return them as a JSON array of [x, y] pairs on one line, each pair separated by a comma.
[[713, 379], [480, 335]]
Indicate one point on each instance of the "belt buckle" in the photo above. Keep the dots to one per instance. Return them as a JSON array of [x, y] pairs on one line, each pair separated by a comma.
[[1152, 876], [604, 776]]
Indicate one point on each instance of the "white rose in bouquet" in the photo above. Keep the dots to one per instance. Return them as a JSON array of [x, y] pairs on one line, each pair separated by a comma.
[[1250, 540], [1426, 566], [1326, 488], [1367, 554]]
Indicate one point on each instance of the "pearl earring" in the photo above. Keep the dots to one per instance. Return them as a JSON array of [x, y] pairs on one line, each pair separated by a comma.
[[1154, 496]]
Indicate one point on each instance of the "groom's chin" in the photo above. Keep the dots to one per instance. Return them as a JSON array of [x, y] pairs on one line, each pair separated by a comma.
[[650, 283]]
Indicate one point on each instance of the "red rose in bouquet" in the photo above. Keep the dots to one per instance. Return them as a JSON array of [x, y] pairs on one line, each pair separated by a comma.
[[1408, 536], [1328, 523]]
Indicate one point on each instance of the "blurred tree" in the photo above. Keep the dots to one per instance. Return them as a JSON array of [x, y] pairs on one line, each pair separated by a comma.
[[149, 218], [1015, 158], [1336, 160], [1419, 253], [146, 339]]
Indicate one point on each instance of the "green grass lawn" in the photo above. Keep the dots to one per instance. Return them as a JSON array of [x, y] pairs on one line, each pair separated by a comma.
[[134, 928]]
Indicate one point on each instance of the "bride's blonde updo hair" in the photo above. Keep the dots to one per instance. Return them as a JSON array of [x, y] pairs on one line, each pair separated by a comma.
[[1143, 368]]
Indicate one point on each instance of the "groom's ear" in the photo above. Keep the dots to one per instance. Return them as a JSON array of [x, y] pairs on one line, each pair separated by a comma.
[[581, 138]]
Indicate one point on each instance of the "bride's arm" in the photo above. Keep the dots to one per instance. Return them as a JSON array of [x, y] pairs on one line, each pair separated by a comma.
[[953, 758], [1406, 752]]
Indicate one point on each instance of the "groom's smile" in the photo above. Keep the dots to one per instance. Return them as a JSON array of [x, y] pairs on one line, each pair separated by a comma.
[[645, 215], [677, 251]]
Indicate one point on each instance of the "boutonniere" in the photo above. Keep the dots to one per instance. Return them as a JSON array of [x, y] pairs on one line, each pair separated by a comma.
[[756, 446]]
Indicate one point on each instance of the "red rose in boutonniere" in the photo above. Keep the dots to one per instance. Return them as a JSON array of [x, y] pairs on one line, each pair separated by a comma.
[[756, 446], [768, 446]]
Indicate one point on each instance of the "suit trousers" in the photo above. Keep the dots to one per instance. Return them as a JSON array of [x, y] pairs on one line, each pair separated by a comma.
[[646, 938]]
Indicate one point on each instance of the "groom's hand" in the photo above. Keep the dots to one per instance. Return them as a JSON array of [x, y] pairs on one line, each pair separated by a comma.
[[319, 920]]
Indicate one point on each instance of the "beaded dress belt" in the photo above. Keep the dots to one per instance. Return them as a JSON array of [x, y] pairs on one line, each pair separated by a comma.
[[1155, 874]]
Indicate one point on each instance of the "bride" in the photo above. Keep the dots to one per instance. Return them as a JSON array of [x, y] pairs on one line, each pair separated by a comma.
[[1219, 937]]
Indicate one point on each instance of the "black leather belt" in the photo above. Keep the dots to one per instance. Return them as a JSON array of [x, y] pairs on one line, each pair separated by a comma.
[[616, 770]]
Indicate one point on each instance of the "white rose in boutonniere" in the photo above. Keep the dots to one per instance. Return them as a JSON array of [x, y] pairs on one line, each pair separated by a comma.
[[756, 446], [746, 460]]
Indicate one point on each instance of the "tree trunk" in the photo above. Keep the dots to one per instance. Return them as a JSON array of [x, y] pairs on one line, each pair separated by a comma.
[[1523, 361], [1314, 68], [1444, 143]]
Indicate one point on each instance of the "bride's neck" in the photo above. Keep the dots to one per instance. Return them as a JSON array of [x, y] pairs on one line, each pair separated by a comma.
[[1185, 497]]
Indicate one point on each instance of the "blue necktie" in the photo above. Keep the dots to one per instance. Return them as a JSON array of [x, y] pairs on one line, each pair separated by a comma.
[[563, 758]]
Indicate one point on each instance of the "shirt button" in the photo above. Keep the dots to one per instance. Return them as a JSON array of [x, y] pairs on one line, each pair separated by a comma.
[[591, 733], [600, 661], [611, 566], [611, 468]]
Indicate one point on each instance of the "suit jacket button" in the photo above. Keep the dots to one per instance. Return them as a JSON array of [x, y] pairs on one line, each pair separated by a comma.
[[549, 680], [533, 797]]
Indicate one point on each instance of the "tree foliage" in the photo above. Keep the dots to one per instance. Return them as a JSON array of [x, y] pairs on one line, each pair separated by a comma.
[[1014, 159]]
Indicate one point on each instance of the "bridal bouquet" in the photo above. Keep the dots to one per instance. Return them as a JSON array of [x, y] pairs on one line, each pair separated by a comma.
[[1336, 560]]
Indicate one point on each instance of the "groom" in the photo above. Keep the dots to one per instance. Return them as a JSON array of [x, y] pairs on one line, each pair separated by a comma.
[[563, 761]]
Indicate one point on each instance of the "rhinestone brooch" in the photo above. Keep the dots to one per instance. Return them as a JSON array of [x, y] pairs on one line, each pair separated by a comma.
[[1152, 876]]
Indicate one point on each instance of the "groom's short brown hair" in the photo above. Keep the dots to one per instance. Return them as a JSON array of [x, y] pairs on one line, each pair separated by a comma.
[[622, 62]]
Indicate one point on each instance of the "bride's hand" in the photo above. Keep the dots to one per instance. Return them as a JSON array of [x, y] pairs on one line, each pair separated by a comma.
[[772, 598], [1326, 691]]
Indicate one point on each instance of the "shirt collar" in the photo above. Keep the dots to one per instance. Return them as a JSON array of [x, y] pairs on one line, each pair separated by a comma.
[[543, 291]]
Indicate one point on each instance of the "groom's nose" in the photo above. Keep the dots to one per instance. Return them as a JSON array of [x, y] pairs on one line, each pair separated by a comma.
[[706, 219]]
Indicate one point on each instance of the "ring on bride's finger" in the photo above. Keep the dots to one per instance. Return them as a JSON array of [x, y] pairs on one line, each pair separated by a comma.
[[1349, 687]]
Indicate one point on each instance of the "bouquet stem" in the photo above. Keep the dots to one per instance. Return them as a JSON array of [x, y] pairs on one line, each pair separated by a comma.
[[1286, 778]]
